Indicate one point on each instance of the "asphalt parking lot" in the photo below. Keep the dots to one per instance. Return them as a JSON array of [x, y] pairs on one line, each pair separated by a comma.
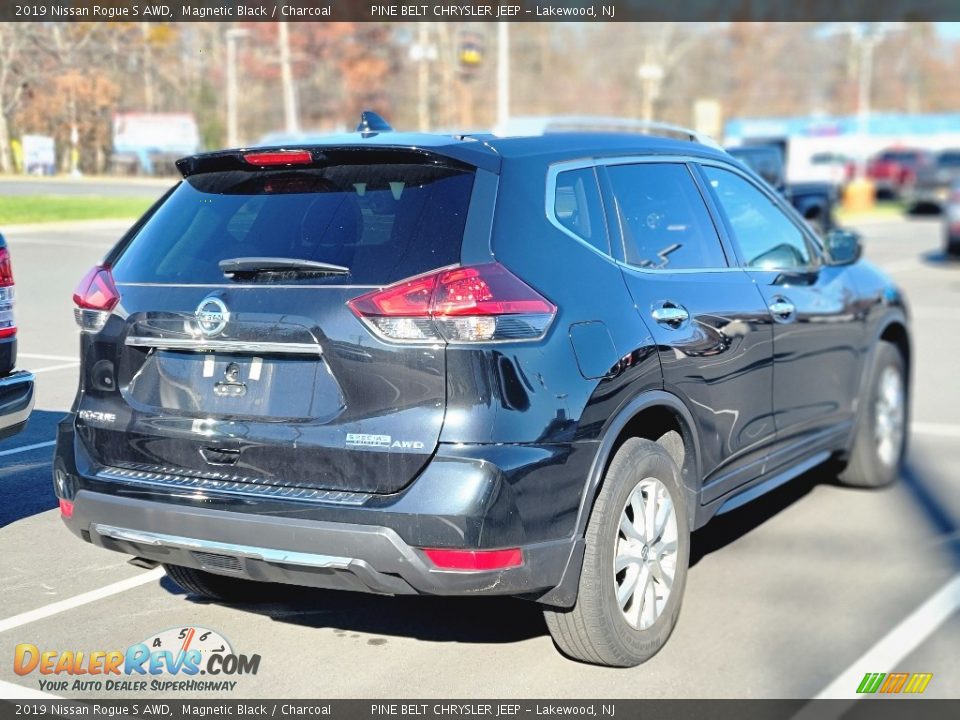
[[798, 594]]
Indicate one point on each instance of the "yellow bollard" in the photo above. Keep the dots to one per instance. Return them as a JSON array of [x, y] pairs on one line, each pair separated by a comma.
[[859, 196]]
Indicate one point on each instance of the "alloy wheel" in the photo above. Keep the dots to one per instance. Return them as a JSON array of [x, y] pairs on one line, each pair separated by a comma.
[[889, 412], [645, 560]]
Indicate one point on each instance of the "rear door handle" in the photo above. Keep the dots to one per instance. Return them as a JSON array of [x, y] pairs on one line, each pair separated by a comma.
[[782, 309], [670, 315]]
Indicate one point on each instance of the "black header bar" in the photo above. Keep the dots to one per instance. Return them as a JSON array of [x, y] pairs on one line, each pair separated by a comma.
[[478, 10], [893, 708]]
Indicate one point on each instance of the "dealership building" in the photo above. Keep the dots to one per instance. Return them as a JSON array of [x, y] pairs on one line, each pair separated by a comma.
[[847, 135]]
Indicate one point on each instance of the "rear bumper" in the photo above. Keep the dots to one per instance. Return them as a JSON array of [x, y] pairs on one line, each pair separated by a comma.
[[16, 402], [476, 498], [885, 184], [934, 195], [340, 556]]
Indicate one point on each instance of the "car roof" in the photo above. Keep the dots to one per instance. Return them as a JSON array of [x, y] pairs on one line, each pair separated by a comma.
[[487, 151]]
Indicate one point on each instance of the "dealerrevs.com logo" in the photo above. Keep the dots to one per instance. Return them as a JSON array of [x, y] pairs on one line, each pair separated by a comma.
[[185, 659]]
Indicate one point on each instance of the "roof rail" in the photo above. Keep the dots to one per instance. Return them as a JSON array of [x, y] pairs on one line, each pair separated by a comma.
[[542, 125]]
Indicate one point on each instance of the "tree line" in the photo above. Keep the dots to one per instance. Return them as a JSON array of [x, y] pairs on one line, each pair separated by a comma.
[[67, 80]]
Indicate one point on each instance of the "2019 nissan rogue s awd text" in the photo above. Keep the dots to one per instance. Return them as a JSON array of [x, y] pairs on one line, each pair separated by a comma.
[[458, 365]]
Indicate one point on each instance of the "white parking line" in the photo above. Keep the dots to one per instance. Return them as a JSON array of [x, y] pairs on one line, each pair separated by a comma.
[[26, 448], [947, 430], [44, 242], [78, 600], [897, 644], [64, 366], [41, 356]]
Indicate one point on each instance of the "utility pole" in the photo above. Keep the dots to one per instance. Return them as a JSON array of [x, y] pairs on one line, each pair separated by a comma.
[[860, 193], [148, 101], [503, 73], [868, 36], [423, 52], [651, 77], [291, 122], [232, 35]]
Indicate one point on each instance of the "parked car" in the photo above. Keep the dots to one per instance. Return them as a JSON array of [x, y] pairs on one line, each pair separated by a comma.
[[471, 365], [951, 217], [930, 189], [16, 386], [831, 167], [893, 169], [815, 201]]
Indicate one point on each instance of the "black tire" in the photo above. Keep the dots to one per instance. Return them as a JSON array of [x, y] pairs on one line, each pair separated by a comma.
[[866, 466], [952, 247], [215, 587], [595, 629]]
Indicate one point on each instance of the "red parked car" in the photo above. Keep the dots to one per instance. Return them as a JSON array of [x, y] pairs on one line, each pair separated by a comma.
[[895, 168]]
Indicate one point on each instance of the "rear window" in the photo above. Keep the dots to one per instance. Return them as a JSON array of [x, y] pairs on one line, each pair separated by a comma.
[[384, 221]]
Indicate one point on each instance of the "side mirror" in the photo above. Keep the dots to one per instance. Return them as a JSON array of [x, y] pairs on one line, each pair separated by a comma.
[[843, 247]]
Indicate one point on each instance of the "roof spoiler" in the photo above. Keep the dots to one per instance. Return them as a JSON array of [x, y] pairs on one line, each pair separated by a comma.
[[587, 123]]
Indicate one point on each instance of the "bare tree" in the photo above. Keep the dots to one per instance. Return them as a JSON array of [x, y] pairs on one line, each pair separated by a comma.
[[12, 83]]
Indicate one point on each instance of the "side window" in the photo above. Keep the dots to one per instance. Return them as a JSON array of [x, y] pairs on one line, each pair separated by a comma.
[[767, 238], [577, 206], [663, 218]]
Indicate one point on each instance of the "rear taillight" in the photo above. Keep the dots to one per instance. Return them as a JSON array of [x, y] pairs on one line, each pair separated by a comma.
[[8, 326], [95, 297], [478, 303], [66, 508]]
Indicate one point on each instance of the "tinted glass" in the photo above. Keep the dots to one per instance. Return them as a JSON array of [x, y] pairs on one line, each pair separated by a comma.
[[827, 159], [949, 159], [578, 208], [385, 222], [766, 236], [663, 218], [765, 162], [904, 156]]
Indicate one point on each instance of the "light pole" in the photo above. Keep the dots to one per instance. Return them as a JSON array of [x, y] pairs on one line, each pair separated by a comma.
[[232, 35], [650, 75], [867, 36], [423, 52], [503, 73], [291, 122]]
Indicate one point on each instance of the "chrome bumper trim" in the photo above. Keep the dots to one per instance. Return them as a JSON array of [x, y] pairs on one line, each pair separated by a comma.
[[14, 380], [271, 555], [235, 346]]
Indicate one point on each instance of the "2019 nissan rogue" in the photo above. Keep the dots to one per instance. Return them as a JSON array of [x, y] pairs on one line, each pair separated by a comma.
[[459, 365]]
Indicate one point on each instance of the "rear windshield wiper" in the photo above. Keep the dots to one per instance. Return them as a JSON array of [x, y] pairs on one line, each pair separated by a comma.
[[285, 267]]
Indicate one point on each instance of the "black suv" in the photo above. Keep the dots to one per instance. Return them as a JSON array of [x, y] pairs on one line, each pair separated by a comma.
[[452, 365]]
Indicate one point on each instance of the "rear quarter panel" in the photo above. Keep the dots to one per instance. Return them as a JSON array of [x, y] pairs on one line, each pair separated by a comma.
[[534, 392]]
